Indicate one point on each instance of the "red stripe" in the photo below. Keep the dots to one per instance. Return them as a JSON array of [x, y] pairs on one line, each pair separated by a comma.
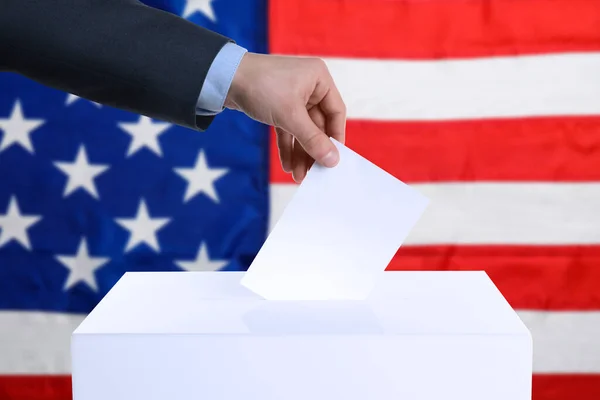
[[432, 29], [545, 387], [530, 277], [32, 387], [566, 387], [537, 149]]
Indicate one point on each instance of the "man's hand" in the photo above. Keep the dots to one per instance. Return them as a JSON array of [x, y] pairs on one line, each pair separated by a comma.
[[298, 97]]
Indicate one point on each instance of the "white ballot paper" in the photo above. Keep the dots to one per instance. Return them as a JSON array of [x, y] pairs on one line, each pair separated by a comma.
[[338, 233]]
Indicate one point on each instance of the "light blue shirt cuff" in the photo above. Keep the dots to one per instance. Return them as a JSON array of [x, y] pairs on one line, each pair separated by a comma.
[[218, 80]]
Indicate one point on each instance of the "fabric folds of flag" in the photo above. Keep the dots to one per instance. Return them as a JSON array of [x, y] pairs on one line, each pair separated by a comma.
[[88, 192], [491, 109]]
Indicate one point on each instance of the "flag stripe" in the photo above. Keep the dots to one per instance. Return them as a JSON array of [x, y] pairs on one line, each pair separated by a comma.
[[545, 387], [432, 29], [530, 277], [36, 342], [496, 213], [530, 273], [528, 149], [38, 387], [557, 337], [564, 342], [502, 87], [566, 387], [509, 213]]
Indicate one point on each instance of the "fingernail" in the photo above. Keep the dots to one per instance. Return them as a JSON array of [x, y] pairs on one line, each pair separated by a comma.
[[331, 159]]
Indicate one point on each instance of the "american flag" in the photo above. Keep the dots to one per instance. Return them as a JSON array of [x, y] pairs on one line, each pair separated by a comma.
[[491, 108]]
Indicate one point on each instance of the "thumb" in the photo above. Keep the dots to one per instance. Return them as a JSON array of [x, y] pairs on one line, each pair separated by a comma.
[[314, 141]]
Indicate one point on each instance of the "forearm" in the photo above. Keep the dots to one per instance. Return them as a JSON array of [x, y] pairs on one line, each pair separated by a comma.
[[116, 52]]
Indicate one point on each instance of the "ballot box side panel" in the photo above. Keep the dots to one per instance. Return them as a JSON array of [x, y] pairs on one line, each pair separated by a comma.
[[319, 367]]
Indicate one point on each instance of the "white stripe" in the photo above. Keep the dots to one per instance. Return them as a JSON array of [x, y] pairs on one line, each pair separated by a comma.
[[496, 213], [541, 85], [564, 341], [39, 343], [36, 342]]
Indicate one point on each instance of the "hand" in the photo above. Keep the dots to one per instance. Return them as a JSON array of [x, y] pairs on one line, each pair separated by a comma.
[[298, 97]]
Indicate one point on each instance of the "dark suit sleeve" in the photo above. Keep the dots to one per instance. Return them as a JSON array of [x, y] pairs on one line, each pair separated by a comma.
[[120, 53]]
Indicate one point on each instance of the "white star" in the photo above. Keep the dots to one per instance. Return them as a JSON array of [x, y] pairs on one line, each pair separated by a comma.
[[201, 178], [71, 98], [81, 173], [204, 6], [202, 262], [15, 225], [144, 133], [143, 228], [17, 129], [82, 267]]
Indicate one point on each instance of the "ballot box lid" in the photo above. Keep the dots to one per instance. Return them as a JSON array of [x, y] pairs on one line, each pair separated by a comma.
[[215, 303]]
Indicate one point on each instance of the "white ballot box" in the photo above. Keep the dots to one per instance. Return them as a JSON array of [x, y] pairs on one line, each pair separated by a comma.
[[202, 335]]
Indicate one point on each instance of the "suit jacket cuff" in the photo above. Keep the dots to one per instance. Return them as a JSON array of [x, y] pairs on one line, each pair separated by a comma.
[[218, 80]]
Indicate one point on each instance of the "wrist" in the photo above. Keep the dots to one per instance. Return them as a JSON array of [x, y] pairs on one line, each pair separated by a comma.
[[239, 83]]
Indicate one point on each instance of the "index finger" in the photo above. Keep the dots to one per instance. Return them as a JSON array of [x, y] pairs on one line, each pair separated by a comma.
[[334, 109]]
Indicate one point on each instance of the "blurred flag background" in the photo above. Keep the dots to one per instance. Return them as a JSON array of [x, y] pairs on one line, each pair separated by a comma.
[[489, 107]]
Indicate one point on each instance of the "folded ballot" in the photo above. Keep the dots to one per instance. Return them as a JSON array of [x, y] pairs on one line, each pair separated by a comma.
[[337, 234]]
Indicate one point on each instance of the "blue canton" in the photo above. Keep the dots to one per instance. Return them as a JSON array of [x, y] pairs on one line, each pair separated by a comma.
[[88, 192]]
